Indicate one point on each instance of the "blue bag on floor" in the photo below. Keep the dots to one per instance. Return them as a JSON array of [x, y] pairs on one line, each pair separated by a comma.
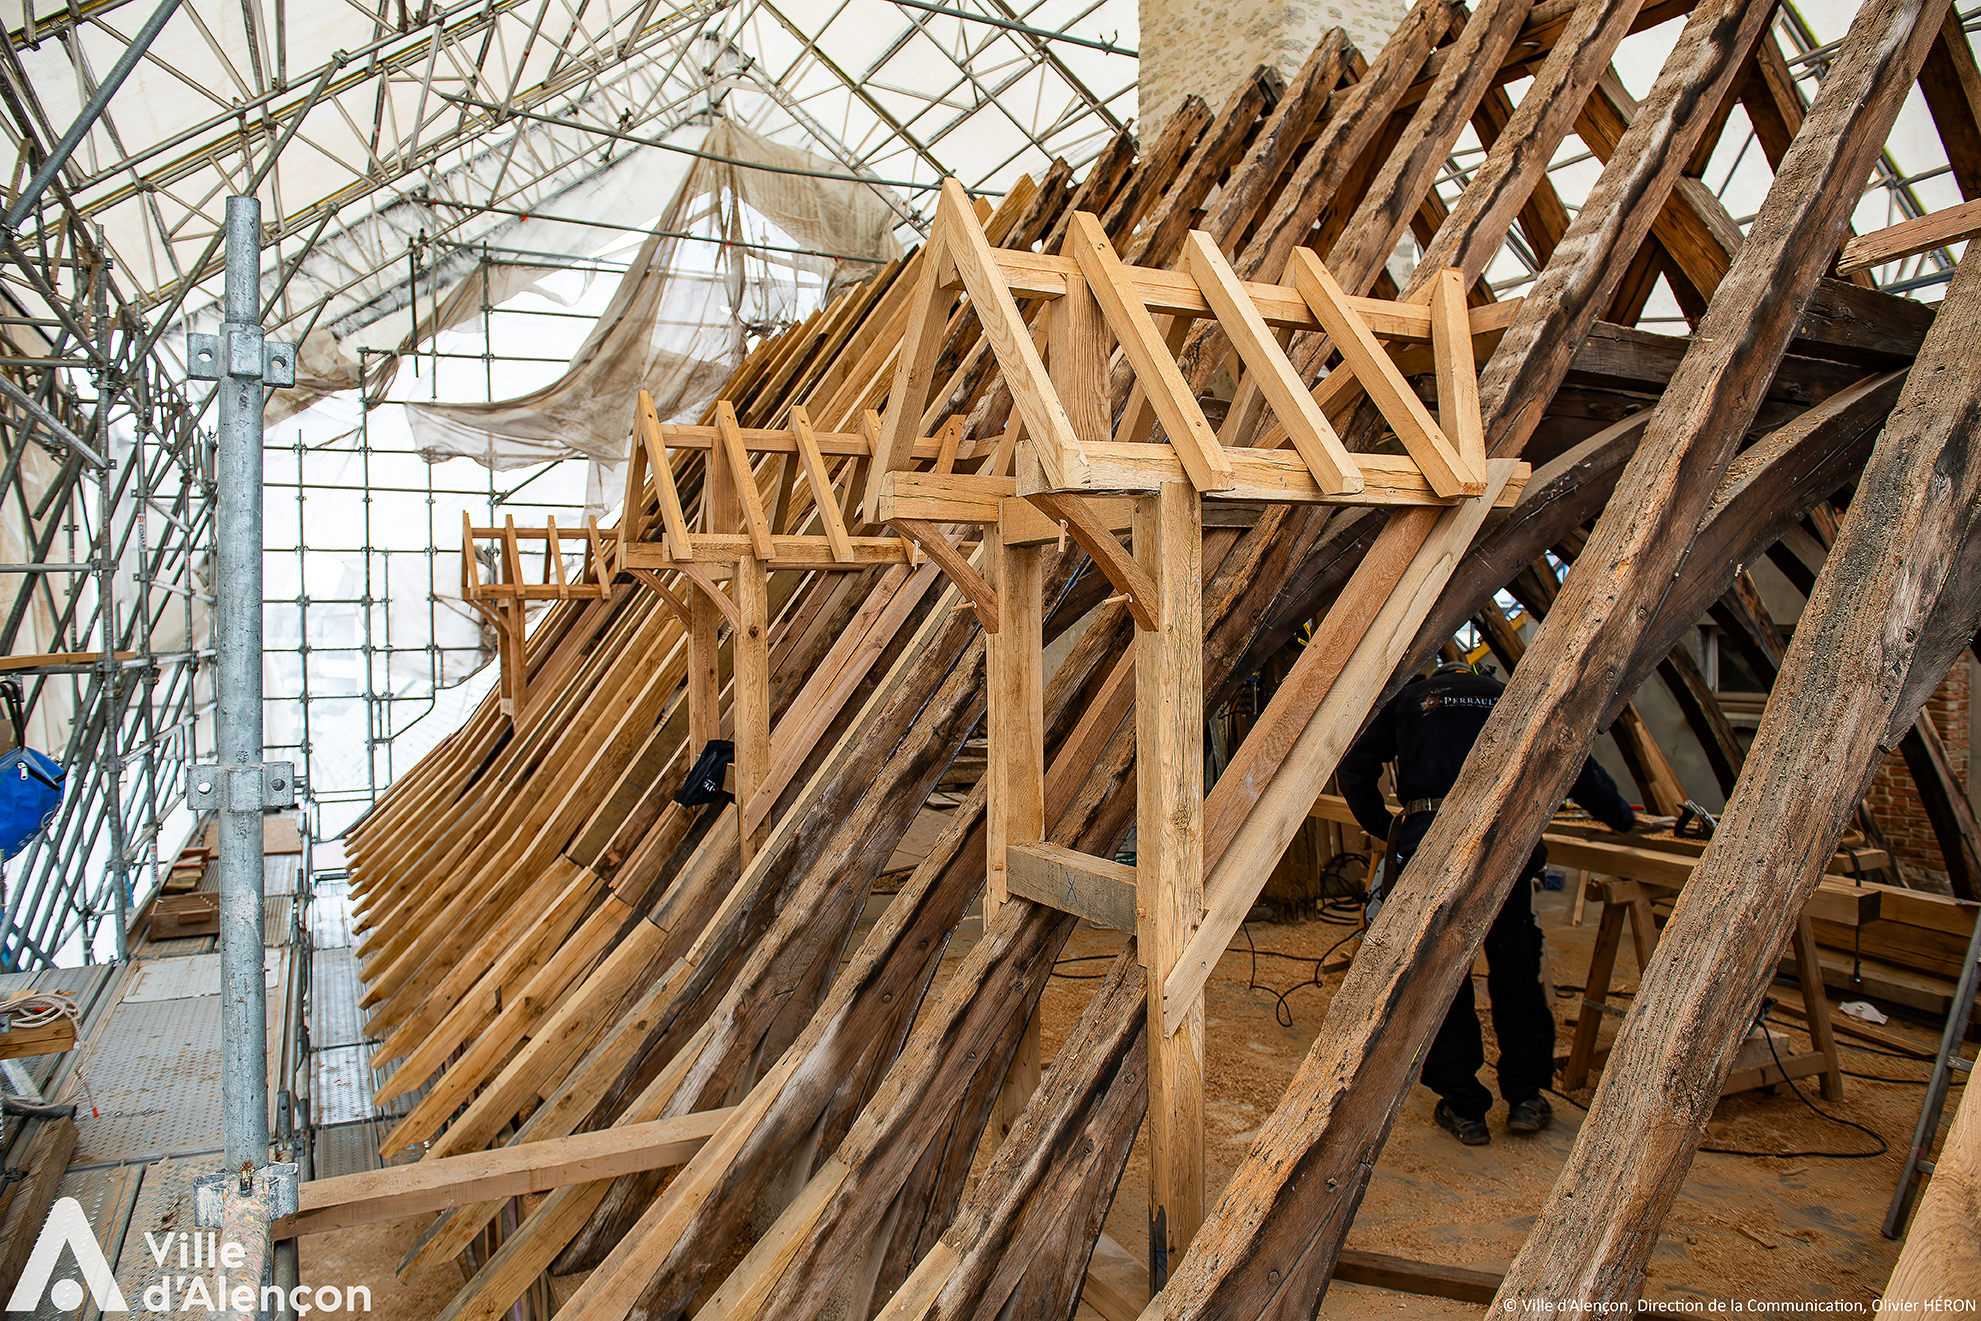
[[30, 783]]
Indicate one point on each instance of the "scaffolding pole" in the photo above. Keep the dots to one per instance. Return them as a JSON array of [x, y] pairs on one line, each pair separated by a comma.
[[242, 786]]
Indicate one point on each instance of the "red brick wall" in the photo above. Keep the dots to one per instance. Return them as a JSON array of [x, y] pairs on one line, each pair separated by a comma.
[[1894, 799]]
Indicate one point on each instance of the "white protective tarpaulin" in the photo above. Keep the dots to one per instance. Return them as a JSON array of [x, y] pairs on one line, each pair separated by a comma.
[[765, 248]]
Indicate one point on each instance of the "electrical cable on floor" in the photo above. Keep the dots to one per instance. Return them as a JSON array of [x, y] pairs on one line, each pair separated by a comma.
[[1883, 1146]]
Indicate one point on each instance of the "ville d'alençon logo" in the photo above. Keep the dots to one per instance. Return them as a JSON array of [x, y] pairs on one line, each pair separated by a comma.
[[203, 1289]]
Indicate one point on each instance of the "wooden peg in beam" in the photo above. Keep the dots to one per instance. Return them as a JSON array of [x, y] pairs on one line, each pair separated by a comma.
[[954, 566], [1415, 427]]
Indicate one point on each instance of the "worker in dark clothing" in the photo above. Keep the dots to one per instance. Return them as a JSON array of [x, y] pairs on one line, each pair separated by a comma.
[[1428, 729]]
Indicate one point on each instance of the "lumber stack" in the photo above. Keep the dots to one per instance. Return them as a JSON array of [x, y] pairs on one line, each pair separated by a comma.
[[553, 946]]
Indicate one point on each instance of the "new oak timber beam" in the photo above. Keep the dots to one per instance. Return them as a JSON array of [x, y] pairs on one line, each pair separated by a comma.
[[1270, 1246], [1891, 610]]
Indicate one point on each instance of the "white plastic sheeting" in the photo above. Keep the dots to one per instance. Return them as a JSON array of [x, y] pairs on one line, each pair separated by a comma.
[[765, 248]]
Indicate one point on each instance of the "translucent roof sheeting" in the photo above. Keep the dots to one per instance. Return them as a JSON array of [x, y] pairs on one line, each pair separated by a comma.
[[446, 125]]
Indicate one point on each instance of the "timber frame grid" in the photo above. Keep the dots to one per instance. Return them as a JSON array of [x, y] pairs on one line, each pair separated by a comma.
[[843, 1084], [1181, 919]]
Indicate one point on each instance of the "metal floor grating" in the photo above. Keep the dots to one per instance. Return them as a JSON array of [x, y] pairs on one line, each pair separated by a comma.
[[108, 1198]]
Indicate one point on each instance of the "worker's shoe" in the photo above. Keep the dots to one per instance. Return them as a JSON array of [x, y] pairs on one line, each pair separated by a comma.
[[1472, 1132], [1529, 1116]]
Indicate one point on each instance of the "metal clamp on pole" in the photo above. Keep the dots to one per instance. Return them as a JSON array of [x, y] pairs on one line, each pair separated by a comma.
[[241, 786], [256, 787]]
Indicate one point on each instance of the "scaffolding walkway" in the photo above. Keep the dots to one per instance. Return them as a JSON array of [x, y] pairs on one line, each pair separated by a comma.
[[145, 1076]]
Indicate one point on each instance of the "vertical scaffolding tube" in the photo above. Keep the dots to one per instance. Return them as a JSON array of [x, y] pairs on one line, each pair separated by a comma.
[[237, 633]]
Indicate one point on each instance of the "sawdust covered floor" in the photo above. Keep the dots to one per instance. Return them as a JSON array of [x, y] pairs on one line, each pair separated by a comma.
[[1800, 1228]]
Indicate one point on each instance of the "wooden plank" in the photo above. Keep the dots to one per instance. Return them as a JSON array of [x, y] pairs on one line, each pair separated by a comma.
[[430, 1186], [1380, 1270], [1941, 1258], [1458, 376], [1274, 477], [1169, 850], [1168, 393], [1268, 367], [1073, 882], [1955, 224], [43, 1161], [52, 1038], [1415, 427], [1024, 372], [820, 481]]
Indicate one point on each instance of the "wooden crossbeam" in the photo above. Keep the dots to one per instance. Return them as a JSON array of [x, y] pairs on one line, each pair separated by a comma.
[[428, 1186], [1439, 459], [1154, 363], [1177, 293], [1094, 888], [1274, 477], [1908, 238]]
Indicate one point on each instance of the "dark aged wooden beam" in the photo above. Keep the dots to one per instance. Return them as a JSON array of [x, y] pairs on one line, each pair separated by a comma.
[[1270, 1246], [1893, 601]]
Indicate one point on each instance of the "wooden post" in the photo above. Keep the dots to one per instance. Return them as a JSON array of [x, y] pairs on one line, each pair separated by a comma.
[[750, 695], [1169, 853], [704, 672], [1015, 776]]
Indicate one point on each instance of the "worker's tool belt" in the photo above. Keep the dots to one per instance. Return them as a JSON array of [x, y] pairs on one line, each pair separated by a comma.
[[1419, 806]]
